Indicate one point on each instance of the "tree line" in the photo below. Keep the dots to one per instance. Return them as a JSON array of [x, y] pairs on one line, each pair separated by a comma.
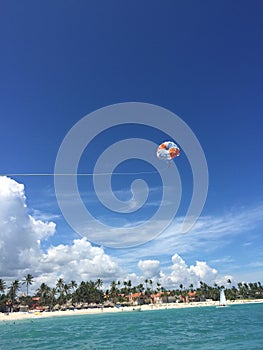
[[91, 292]]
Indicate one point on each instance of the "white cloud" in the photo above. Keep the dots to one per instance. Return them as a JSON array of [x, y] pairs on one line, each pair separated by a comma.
[[38, 215], [178, 272], [208, 234], [10, 189], [223, 260], [41, 229], [202, 271], [182, 274], [149, 268], [223, 281], [79, 261], [21, 253], [19, 232], [20, 237]]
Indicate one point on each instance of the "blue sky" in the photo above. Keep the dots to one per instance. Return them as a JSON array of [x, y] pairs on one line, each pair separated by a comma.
[[61, 60]]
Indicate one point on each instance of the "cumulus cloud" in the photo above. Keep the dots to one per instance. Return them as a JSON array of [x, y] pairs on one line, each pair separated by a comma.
[[19, 232], [180, 273], [149, 268], [21, 253], [21, 235], [79, 261]]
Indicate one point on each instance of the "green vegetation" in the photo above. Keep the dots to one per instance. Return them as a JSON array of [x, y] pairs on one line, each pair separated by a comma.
[[90, 294]]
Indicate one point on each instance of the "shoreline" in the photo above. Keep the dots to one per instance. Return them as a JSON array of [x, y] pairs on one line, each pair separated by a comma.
[[35, 314]]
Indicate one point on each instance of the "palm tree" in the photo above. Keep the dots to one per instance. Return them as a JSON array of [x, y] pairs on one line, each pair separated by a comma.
[[52, 294], [233, 293], [80, 293], [60, 285], [99, 283], [259, 290], [146, 282], [43, 292], [27, 281], [191, 286], [129, 287], [13, 289], [66, 291], [240, 286], [151, 284], [140, 287], [163, 289], [71, 287], [2, 285], [73, 284], [113, 291], [229, 282], [125, 287]]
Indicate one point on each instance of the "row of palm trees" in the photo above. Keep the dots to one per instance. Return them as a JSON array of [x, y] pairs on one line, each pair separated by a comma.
[[9, 298], [63, 293], [90, 292], [15, 286]]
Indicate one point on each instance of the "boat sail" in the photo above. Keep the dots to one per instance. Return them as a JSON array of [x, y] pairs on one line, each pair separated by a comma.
[[222, 301]]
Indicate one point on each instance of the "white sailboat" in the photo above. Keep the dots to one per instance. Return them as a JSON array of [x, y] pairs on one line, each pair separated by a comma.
[[222, 301]]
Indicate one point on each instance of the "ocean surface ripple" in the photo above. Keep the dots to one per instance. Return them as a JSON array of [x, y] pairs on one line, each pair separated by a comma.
[[236, 327]]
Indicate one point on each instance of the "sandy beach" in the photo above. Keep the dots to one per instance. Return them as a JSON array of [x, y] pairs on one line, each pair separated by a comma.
[[15, 316]]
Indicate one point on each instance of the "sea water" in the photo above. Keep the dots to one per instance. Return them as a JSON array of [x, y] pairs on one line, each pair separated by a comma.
[[206, 328]]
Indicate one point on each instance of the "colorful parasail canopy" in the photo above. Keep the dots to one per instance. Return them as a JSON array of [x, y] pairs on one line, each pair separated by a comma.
[[168, 150]]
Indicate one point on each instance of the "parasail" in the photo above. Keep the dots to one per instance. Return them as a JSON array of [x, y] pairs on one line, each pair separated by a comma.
[[168, 150]]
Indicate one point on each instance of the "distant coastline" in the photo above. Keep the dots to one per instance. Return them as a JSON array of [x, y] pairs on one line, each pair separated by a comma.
[[35, 314]]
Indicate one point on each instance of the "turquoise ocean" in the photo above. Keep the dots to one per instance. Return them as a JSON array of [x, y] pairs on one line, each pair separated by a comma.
[[236, 327]]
